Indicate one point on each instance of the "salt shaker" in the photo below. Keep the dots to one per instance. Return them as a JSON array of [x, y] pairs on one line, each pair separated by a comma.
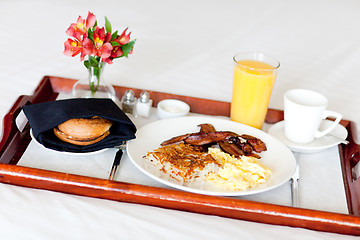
[[143, 105], [128, 102]]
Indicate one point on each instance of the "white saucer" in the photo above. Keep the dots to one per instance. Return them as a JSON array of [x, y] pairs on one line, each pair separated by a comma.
[[319, 144], [64, 152]]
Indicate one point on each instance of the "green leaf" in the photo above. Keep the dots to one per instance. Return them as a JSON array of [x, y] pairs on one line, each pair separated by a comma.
[[98, 60], [93, 62], [113, 43], [87, 64], [126, 48], [114, 35], [90, 34], [107, 25]]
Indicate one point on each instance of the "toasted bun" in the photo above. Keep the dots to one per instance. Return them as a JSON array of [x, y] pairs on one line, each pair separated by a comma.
[[83, 131]]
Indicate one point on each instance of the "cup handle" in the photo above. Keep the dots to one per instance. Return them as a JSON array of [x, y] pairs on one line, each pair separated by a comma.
[[326, 114]]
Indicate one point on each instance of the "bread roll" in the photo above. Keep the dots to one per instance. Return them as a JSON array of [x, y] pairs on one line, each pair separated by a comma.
[[83, 131]]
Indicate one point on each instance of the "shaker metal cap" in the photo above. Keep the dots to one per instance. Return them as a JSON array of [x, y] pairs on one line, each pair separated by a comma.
[[129, 95], [144, 97]]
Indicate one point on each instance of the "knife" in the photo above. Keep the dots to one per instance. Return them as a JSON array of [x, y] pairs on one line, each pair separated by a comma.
[[117, 160], [295, 182]]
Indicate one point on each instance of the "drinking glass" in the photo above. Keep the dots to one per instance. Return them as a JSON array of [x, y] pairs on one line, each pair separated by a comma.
[[254, 78]]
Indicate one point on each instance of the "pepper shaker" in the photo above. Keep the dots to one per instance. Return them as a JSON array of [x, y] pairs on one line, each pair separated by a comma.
[[143, 105], [128, 102]]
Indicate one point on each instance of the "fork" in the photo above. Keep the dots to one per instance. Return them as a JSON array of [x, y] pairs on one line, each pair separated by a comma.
[[117, 160], [295, 182]]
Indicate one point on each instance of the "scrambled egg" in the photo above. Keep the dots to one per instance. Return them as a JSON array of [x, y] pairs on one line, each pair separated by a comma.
[[237, 173]]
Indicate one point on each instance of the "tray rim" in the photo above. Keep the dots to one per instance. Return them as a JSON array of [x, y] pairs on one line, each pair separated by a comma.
[[48, 89]]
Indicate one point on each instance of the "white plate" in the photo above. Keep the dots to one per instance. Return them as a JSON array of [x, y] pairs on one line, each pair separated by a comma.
[[278, 157], [64, 152], [317, 145]]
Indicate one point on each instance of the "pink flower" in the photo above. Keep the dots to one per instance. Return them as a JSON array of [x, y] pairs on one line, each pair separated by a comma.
[[102, 46], [123, 38], [73, 48], [78, 29], [97, 43], [88, 47], [116, 52], [90, 20]]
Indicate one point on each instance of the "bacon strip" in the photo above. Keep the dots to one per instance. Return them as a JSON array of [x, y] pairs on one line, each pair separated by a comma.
[[206, 128], [176, 139], [206, 138], [231, 148], [228, 141], [228, 147], [255, 143]]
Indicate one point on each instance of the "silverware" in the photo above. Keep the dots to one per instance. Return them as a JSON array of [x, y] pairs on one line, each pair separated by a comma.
[[117, 160], [295, 183]]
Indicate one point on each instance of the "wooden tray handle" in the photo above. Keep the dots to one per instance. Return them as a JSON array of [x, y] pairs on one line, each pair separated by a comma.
[[14, 142], [11, 133], [349, 157]]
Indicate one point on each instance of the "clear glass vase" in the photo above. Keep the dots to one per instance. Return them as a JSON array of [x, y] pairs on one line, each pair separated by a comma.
[[95, 86]]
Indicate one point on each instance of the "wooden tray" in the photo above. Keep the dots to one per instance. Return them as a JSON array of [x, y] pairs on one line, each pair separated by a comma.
[[14, 143]]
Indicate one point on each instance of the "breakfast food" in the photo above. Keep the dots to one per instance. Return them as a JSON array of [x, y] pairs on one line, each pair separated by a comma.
[[83, 131], [182, 162], [237, 173], [223, 158], [230, 142]]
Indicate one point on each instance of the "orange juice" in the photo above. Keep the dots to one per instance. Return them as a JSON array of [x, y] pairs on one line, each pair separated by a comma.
[[252, 86]]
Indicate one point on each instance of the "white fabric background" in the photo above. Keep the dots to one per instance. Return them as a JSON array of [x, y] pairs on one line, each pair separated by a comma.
[[183, 47]]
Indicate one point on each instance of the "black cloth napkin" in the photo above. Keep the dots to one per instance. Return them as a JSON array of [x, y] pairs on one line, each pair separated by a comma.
[[43, 117]]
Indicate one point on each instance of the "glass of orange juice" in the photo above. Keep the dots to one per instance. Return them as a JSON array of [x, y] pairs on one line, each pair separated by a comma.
[[254, 78]]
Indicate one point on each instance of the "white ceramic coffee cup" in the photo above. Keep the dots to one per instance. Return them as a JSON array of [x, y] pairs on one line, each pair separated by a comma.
[[303, 112]]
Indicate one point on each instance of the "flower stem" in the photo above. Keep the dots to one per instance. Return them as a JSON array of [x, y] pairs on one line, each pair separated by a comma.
[[94, 77]]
